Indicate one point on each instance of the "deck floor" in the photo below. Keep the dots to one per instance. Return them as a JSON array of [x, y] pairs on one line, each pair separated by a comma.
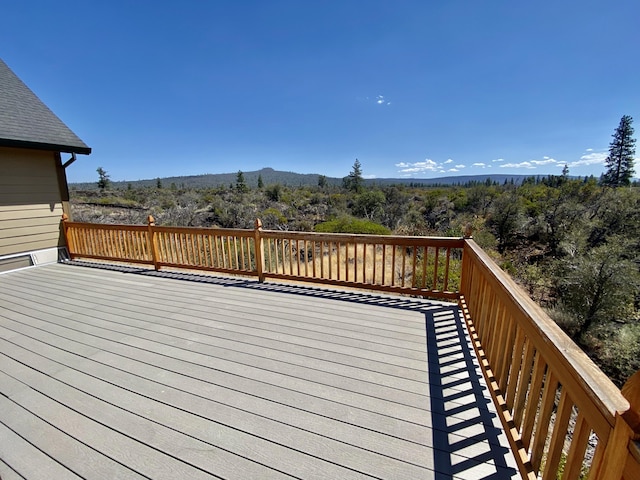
[[118, 372]]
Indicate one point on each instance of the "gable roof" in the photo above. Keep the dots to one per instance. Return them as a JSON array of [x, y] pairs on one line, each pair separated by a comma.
[[26, 122]]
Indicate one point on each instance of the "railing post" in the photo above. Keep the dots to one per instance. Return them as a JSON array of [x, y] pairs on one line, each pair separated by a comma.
[[67, 239], [615, 455], [259, 246], [465, 266], [631, 391], [151, 238]]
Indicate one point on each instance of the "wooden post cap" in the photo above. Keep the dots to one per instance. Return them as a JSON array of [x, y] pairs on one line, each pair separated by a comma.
[[258, 224], [631, 391], [65, 217], [151, 220]]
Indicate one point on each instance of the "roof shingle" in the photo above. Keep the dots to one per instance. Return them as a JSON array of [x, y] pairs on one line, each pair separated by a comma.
[[26, 122]]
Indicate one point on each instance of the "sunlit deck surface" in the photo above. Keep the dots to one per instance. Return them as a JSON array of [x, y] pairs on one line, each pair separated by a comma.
[[120, 372]]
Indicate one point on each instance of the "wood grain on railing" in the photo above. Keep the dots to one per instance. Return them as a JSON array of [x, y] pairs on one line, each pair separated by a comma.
[[559, 411], [427, 266], [414, 265], [127, 243]]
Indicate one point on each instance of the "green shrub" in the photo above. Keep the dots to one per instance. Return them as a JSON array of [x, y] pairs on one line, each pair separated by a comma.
[[352, 225]]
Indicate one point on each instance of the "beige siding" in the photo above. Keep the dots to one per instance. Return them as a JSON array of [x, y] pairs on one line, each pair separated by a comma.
[[30, 201]]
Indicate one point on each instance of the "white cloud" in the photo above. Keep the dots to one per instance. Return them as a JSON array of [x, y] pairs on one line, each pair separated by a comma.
[[498, 160], [369, 176], [531, 164], [546, 161], [591, 158], [380, 100], [426, 166], [518, 165], [479, 164]]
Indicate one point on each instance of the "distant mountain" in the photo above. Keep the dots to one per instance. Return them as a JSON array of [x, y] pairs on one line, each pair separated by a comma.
[[291, 179]]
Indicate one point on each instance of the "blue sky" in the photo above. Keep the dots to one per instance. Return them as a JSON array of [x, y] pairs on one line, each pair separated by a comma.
[[420, 89]]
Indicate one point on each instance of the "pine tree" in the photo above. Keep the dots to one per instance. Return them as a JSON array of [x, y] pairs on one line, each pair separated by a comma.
[[241, 186], [621, 153], [260, 182], [103, 179], [354, 181]]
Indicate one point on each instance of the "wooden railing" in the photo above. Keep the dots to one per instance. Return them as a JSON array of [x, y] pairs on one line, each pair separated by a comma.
[[425, 266], [559, 411]]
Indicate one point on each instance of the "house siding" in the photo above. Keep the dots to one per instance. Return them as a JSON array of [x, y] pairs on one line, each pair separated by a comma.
[[31, 201]]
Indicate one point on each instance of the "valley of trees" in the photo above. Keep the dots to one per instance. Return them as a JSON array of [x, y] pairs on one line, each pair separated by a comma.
[[572, 243]]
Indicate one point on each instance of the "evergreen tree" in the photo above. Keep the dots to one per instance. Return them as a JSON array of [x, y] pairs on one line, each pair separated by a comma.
[[621, 152], [322, 181], [354, 181], [103, 179], [241, 186], [260, 182]]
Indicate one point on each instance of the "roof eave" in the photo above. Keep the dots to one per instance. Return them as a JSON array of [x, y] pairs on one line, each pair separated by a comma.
[[45, 146]]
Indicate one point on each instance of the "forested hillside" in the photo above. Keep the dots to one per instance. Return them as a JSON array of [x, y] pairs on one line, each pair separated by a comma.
[[572, 244], [268, 176]]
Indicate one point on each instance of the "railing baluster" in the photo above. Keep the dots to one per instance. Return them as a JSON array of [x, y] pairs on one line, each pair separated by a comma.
[[579, 440], [404, 264], [560, 424], [446, 270], [414, 261], [313, 252], [436, 261], [544, 417], [507, 354], [514, 372], [498, 344], [230, 251], [533, 401], [523, 383], [355, 262], [364, 262], [375, 262]]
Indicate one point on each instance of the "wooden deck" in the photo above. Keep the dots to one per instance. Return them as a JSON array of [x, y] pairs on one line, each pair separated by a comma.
[[118, 372]]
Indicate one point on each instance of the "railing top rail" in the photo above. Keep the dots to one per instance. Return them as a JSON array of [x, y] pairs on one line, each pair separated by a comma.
[[453, 242], [599, 388], [105, 226], [232, 232]]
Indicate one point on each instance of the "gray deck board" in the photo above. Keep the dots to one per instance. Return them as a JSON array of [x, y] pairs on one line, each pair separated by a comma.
[[246, 353], [125, 373]]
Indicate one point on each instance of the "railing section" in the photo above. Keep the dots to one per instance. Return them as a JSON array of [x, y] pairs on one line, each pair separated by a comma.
[[564, 418], [214, 249], [125, 243], [414, 265], [426, 266]]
